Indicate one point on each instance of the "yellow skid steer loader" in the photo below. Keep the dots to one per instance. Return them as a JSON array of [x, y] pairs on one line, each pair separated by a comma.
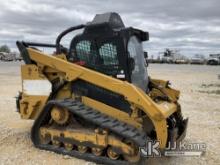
[[95, 100]]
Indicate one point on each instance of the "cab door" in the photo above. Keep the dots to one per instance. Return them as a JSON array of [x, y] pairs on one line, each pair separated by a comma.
[[139, 76]]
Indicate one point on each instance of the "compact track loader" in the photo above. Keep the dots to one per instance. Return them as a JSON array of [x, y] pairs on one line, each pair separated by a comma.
[[95, 100]]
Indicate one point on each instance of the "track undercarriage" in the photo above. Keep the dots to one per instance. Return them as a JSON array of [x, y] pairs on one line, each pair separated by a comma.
[[87, 133]]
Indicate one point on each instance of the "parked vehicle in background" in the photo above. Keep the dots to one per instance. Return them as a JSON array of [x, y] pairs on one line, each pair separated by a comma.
[[168, 56], [168, 60], [181, 61], [198, 59], [7, 56], [12, 56], [214, 59]]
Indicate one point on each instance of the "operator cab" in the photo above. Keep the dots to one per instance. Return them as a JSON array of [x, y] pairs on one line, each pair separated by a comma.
[[107, 46]]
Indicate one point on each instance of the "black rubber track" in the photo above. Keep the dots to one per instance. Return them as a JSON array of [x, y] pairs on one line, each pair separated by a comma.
[[93, 116]]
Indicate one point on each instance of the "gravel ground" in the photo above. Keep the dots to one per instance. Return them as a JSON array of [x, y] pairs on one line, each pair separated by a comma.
[[200, 100]]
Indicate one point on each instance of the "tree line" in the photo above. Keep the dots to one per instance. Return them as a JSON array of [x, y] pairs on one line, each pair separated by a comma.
[[5, 48]]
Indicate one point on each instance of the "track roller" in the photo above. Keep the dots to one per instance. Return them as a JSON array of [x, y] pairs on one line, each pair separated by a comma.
[[82, 149], [112, 154], [68, 146], [97, 151], [56, 143]]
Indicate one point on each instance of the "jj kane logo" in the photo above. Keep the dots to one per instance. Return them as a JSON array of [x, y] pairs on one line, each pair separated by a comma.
[[152, 149]]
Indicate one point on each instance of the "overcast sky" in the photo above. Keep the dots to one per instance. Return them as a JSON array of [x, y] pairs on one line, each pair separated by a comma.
[[192, 26]]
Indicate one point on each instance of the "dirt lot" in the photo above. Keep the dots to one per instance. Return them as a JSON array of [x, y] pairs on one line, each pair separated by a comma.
[[200, 100]]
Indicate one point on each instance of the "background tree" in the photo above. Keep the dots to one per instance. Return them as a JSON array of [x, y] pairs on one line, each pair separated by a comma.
[[5, 48]]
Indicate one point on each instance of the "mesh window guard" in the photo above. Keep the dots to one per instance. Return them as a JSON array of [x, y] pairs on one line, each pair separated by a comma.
[[83, 50], [108, 53], [104, 60]]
